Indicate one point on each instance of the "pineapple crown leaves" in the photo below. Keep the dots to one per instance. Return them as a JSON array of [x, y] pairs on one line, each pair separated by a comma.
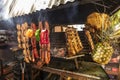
[[109, 35], [115, 18]]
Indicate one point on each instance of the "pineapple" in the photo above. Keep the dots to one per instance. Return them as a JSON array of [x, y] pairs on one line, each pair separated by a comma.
[[102, 52], [103, 49]]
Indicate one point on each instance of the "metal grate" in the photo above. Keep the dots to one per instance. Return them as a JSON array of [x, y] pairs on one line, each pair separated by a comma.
[[58, 40]]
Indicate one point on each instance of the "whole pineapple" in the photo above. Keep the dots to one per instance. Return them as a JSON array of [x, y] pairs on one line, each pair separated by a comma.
[[102, 52]]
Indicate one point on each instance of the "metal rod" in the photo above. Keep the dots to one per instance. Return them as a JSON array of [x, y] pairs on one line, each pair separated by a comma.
[[115, 10], [100, 4]]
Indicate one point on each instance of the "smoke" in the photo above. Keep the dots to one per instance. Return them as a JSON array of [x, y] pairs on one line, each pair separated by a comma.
[[71, 13], [5, 22], [3, 11], [11, 23]]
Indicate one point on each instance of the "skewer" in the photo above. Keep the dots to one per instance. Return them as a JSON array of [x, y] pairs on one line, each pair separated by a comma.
[[23, 69], [33, 42]]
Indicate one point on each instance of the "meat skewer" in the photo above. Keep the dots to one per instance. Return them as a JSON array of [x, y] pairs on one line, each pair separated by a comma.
[[48, 44], [23, 41], [33, 42], [44, 42], [41, 46]]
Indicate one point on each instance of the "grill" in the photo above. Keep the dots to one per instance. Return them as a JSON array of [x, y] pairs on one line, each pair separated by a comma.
[[58, 40]]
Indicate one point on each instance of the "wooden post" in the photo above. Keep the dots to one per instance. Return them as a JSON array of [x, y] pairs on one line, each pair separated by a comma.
[[23, 69], [49, 75], [1, 66], [61, 77], [76, 63], [32, 73]]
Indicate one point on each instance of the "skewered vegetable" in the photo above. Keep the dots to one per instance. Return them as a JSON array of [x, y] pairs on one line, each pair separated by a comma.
[[37, 33], [29, 33], [115, 18]]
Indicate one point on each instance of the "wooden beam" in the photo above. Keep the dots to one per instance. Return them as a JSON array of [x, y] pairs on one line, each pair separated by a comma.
[[67, 73], [72, 57]]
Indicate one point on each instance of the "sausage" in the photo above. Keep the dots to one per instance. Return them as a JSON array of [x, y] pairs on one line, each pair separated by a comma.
[[33, 58], [46, 57], [44, 43], [36, 53], [48, 44], [40, 51], [48, 51], [46, 54], [33, 42], [43, 53]]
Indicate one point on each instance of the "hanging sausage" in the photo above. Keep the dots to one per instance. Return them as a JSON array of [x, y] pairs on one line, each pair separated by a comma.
[[33, 42], [42, 35], [44, 42]]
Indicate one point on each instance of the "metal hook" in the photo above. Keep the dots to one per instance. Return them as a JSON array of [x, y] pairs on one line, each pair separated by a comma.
[[22, 66]]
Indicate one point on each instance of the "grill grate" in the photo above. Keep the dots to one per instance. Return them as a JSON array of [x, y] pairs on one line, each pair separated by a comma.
[[58, 40]]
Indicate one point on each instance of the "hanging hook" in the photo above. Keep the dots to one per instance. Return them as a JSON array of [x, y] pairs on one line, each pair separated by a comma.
[[22, 66]]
